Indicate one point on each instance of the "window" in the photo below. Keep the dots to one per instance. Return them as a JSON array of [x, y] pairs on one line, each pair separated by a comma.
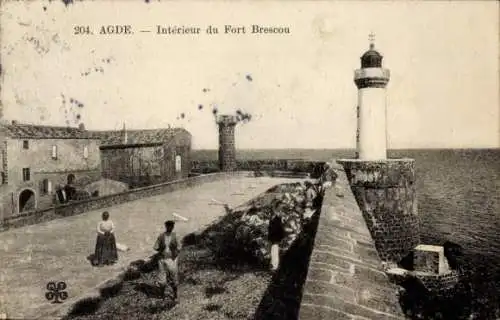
[[85, 152], [4, 178], [54, 152], [26, 144], [26, 174], [46, 186], [178, 163]]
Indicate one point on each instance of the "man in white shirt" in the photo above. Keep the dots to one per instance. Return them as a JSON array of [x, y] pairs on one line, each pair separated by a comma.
[[168, 251]]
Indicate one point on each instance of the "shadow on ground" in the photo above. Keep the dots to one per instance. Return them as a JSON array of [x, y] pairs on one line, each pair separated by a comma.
[[283, 296]]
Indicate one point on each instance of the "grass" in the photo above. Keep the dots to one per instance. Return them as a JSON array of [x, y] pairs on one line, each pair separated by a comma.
[[210, 289]]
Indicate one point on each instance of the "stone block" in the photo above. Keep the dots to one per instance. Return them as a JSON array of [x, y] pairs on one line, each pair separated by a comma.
[[314, 312], [330, 259], [430, 258], [335, 242], [319, 274], [327, 289], [347, 307]]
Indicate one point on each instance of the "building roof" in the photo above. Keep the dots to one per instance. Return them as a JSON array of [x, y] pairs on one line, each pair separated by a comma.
[[137, 137], [111, 137], [30, 131]]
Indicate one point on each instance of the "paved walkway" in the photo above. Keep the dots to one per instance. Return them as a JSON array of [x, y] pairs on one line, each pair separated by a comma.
[[56, 251]]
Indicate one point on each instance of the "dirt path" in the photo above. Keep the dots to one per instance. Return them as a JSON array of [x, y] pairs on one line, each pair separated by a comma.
[[57, 250]]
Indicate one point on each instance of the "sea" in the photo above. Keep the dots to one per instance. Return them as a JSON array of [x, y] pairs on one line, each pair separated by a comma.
[[458, 191]]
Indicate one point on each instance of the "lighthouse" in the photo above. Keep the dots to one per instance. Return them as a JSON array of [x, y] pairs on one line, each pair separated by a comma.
[[371, 80], [384, 188]]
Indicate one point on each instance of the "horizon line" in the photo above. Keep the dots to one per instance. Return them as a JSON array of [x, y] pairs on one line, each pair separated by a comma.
[[354, 149]]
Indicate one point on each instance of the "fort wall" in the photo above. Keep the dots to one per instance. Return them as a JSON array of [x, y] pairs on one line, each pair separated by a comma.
[[77, 207], [345, 278]]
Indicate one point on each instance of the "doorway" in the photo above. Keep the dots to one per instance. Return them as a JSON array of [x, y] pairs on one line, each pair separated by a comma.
[[27, 200]]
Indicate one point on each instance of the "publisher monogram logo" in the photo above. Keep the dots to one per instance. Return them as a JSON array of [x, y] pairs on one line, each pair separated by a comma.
[[56, 292]]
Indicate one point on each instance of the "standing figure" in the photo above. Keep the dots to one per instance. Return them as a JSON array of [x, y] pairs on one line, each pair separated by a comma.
[[168, 251], [61, 195], [276, 233], [311, 200], [105, 248], [70, 192]]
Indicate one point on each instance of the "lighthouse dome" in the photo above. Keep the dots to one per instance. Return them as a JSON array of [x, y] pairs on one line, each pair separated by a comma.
[[371, 59]]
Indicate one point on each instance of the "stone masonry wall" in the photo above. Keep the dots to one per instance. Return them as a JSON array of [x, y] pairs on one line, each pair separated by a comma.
[[385, 192], [315, 168], [345, 278], [78, 207], [227, 147]]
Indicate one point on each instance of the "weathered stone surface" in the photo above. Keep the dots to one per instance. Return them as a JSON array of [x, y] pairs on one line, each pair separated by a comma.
[[385, 192], [379, 174], [430, 258], [358, 287], [227, 147], [321, 274], [338, 303], [437, 283], [331, 259], [370, 275], [325, 288], [319, 312]]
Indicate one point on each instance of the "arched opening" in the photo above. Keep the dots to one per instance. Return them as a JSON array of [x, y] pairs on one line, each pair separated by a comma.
[[27, 200], [71, 178]]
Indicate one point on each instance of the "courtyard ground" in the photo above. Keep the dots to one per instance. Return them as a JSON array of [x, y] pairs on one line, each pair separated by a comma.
[[57, 250], [218, 280]]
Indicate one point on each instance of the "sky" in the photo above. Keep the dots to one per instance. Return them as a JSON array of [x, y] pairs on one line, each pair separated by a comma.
[[298, 87]]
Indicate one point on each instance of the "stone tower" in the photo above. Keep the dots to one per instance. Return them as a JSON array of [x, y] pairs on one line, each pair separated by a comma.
[[227, 147], [384, 188]]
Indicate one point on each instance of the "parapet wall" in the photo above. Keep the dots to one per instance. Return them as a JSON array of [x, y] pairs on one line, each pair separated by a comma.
[[345, 278], [78, 207], [315, 168]]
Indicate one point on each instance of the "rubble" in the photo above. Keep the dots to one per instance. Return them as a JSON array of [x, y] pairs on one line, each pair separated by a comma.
[[246, 227]]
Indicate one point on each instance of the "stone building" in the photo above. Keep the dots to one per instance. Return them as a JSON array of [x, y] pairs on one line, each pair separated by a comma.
[[145, 157], [36, 159]]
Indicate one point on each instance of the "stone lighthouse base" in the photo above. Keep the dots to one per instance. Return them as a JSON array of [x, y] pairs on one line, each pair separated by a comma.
[[385, 193]]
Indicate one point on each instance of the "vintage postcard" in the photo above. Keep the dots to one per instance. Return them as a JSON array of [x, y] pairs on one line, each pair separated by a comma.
[[249, 160]]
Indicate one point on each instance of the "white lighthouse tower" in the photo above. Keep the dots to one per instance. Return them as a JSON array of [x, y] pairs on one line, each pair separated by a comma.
[[371, 80]]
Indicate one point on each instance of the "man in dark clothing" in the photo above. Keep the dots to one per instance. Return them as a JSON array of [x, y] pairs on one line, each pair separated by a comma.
[[70, 192], [61, 195], [276, 233], [168, 251]]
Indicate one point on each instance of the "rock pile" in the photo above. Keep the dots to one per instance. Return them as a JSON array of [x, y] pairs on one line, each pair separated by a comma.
[[246, 227]]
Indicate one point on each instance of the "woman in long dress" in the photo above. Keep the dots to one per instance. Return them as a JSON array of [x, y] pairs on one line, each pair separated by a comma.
[[105, 248]]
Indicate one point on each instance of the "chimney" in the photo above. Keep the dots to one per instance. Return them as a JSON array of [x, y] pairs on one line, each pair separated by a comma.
[[125, 135]]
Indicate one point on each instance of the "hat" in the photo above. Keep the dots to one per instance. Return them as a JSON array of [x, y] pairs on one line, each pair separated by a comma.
[[169, 223]]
